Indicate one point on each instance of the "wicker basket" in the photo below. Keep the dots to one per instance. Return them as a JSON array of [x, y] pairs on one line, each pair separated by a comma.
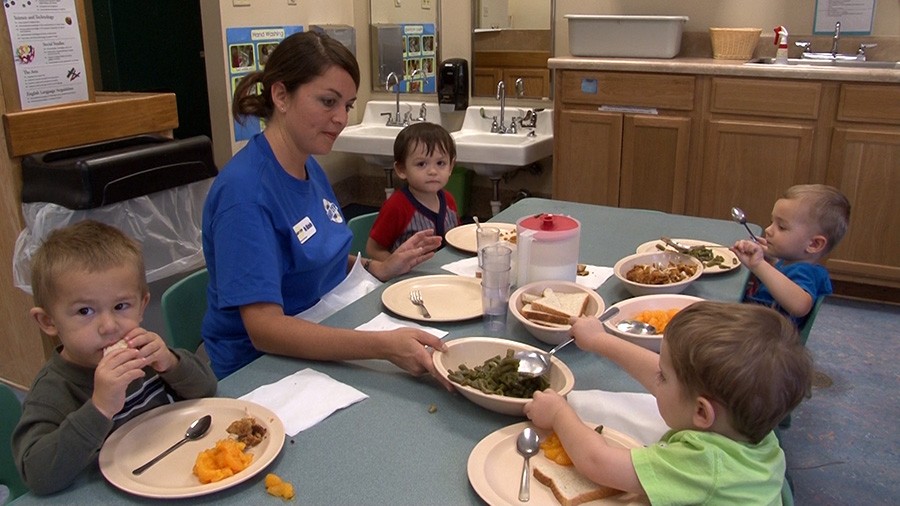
[[734, 43]]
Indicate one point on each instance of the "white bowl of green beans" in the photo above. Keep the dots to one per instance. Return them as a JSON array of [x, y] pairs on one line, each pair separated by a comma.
[[482, 370]]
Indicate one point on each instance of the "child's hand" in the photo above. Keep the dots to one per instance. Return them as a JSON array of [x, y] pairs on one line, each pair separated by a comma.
[[152, 347], [588, 332], [544, 407], [749, 253], [111, 378]]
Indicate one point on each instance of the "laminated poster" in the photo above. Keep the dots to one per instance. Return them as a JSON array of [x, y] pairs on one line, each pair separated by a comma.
[[47, 52], [856, 16], [248, 50]]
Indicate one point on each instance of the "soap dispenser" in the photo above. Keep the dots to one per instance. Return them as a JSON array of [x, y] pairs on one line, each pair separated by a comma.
[[781, 40], [453, 85]]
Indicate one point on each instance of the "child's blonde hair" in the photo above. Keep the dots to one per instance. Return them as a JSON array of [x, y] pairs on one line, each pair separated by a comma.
[[828, 209], [84, 246], [747, 357]]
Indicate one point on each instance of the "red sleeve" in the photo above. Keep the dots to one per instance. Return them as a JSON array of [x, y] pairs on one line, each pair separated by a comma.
[[392, 219]]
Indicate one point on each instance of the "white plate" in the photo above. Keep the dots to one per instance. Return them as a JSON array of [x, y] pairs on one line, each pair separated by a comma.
[[494, 469], [463, 236], [731, 260], [145, 436], [449, 298]]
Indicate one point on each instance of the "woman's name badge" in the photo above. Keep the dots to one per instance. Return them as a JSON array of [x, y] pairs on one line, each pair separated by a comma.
[[304, 229]]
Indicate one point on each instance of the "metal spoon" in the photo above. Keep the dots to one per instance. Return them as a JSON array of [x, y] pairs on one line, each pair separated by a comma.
[[636, 327], [737, 214], [477, 224], [196, 431], [537, 363], [527, 444]]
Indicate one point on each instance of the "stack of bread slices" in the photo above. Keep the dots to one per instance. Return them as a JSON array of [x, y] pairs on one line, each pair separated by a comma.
[[569, 486], [552, 308]]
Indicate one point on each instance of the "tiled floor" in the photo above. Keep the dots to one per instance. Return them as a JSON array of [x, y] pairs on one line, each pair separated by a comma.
[[842, 447]]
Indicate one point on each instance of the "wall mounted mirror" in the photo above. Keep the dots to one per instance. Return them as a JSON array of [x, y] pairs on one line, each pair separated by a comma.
[[405, 44], [512, 39]]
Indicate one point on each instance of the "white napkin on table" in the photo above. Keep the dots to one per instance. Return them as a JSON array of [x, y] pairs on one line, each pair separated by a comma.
[[385, 322], [304, 398], [595, 277], [358, 282], [631, 413]]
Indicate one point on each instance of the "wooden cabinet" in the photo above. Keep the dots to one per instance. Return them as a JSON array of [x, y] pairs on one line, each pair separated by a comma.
[[611, 149], [864, 163], [758, 141], [492, 66]]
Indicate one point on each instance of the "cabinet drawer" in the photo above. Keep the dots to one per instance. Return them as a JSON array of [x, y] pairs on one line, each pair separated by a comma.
[[765, 97], [870, 103], [621, 88]]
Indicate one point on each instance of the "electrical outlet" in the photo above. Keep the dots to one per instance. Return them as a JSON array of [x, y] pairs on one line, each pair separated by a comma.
[[426, 4]]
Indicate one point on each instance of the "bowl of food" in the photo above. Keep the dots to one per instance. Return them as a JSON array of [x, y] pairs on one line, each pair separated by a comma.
[[484, 371], [656, 310], [657, 272], [545, 308]]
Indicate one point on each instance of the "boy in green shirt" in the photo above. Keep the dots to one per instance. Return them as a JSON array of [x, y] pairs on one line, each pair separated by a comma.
[[725, 376]]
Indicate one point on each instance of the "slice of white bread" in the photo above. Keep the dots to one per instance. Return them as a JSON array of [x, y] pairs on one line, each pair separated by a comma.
[[569, 486], [543, 317], [118, 345], [568, 305]]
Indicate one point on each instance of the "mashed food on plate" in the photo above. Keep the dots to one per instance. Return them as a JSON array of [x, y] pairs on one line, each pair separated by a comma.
[[659, 318], [225, 459]]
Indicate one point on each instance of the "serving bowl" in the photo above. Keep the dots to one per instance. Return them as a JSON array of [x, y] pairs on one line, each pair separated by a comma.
[[546, 333], [653, 258], [474, 351], [629, 308]]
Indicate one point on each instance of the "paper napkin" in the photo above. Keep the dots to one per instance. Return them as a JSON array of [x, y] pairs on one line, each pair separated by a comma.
[[385, 322], [631, 413], [357, 283], [305, 398], [595, 277]]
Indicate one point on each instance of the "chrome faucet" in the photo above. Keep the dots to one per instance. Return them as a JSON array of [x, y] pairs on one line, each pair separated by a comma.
[[501, 96], [836, 38], [393, 119]]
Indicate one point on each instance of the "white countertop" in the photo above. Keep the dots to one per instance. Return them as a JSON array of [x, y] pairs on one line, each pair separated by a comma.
[[710, 66]]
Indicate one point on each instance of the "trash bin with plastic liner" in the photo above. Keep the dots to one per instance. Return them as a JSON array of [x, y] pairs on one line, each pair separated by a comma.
[[151, 187]]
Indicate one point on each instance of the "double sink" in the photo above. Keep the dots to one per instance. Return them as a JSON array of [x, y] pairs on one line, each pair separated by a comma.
[[487, 153], [841, 63]]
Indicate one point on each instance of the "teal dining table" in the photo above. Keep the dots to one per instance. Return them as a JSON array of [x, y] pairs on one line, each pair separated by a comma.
[[394, 447]]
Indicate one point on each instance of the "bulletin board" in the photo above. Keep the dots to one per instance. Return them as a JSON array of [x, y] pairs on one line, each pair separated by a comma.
[[419, 53], [248, 50]]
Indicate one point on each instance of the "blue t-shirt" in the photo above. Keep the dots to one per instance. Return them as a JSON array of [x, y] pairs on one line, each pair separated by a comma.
[[267, 237], [813, 278]]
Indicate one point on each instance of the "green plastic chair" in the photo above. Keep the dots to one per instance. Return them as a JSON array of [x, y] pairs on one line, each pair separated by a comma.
[[361, 226], [183, 307], [10, 412], [808, 325]]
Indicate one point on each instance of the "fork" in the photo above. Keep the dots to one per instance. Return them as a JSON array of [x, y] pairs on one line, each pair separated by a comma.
[[415, 297]]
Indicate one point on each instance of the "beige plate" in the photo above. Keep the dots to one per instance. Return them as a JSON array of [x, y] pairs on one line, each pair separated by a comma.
[[495, 468], [731, 260], [463, 236], [449, 298], [145, 436]]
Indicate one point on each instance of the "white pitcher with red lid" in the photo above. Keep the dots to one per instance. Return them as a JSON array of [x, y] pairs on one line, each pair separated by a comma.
[[547, 247]]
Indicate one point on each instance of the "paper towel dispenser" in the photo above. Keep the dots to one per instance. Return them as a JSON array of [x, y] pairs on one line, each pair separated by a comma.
[[94, 175]]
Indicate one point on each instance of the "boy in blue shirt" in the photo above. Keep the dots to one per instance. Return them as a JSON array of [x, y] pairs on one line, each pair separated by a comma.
[[807, 223]]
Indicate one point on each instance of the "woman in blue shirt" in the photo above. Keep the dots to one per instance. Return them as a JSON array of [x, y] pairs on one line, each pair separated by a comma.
[[274, 238]]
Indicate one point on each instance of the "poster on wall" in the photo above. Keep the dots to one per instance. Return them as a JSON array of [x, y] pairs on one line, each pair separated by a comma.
[[46, 47], [248, 50], [855, 16], [419, 52]]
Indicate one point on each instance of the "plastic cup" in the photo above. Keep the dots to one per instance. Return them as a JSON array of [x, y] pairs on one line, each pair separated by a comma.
[[484, 237], [495, 281]]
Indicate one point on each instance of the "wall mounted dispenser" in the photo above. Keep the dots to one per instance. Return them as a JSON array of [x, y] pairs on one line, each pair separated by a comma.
[[453, 85]]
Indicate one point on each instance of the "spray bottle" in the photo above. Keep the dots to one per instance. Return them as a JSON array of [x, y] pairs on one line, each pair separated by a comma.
[[781, 40]]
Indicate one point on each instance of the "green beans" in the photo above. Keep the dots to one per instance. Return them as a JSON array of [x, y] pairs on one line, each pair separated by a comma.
[[706, 256], [499, 376]]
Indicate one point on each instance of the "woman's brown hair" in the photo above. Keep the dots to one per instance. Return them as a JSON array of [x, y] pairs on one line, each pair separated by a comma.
[[296, 60]]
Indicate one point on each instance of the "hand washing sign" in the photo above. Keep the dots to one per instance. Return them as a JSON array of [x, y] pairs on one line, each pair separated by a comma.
[[248, 51], [47, 52]]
